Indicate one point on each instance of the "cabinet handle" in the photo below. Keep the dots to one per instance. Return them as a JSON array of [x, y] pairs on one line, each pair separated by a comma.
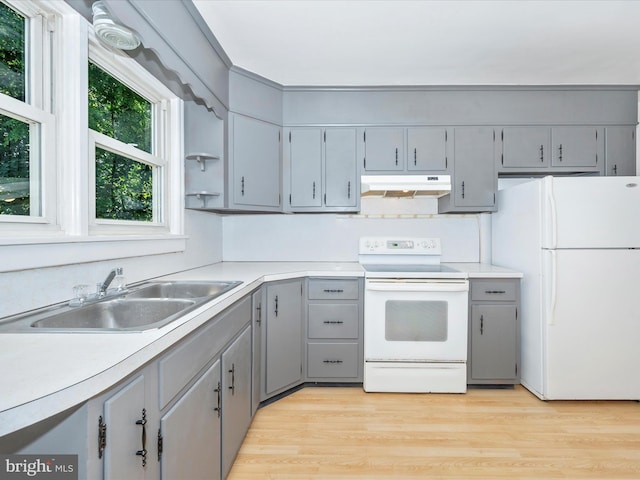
[[218, 408], [160, 445], [143, 453], [242, 186], [102, 437], [481, 324], [276, 301], [415, 156], [499, 292], [333, 290], [259, 313], [462, 189], [348, 190], [560, 158], [314, 190], [233, 379], [333, 322], [541, 153], [396, 155], [615, 169], [332, 361]]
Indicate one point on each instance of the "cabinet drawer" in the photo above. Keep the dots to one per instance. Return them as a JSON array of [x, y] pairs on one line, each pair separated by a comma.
[[333, 320], [496, 290], [330, 360], [333, 289]]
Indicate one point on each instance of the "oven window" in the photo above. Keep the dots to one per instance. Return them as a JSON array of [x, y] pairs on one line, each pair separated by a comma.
[[415, 321]]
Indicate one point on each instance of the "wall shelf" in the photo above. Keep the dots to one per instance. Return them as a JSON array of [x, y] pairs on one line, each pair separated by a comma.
[[201, 158], [203, 196]]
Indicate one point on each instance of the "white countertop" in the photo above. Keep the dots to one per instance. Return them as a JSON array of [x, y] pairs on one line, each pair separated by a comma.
[[46, 373]]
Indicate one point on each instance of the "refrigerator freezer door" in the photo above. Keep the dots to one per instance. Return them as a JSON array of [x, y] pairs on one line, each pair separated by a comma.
[[591, 325], [590, 212]]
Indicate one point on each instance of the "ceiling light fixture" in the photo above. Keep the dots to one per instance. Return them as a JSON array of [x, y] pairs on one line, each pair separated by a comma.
[[109, 32]]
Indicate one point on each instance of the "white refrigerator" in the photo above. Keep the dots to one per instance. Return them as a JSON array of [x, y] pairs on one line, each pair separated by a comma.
[[577, 242]]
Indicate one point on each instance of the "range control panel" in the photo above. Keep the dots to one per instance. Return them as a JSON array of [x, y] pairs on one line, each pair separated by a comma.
[[400, 246]]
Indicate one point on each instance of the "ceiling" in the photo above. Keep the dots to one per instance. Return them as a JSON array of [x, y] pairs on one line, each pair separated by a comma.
[[430, 42]]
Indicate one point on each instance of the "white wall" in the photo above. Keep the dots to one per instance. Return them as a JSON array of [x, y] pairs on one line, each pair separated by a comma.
[[33, 288]]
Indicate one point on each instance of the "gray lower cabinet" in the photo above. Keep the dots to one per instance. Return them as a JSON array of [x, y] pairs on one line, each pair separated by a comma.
[[191, 430], [236, 397], [620, 150], [257, 299], [334, 343], [494, 332], [474, 181], [282, 329], [254, 152]]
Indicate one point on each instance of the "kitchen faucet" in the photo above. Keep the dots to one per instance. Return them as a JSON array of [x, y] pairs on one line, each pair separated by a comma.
[[105, 285]]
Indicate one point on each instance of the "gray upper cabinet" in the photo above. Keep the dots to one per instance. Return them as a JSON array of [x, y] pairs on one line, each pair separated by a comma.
[[620, 150], [383, 149], [525, 148], [576, 147], [254, 150], [427, 149], [305, 147], [323, 169], [474, 179]]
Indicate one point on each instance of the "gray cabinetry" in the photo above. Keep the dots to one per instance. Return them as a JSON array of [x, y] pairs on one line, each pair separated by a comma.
[[254, 150], [474, 180], [427, 149], [620, 150], [576, 147], [494, 332], [334, 330], [236, 398], [191, 431], [323, 172], [384, 149], [525, 148], [282, 347], [256, 354]]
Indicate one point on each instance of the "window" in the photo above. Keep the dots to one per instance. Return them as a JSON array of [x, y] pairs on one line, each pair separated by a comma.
[[26, 128]]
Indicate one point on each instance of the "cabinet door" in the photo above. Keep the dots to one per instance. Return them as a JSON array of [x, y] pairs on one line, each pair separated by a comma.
[[574, 147], [191, 431], [474, 181], [123, 453], [384, 149], [525, 147], [620, 150], [493, 342], [305, 146], [236, 398], [283, 339], [427, 149], [256, 162], [341, 167], [256, 357]]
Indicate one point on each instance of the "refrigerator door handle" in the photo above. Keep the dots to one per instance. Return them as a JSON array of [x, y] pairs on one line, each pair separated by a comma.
[[551, 200], [553, 274]]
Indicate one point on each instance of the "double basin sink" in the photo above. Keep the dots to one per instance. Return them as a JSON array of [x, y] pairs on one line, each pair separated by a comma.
[[148, 306]]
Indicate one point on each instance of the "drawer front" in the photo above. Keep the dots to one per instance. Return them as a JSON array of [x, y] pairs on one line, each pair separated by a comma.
[[496, 290], [333, 320], [333, 289], [332, 360]]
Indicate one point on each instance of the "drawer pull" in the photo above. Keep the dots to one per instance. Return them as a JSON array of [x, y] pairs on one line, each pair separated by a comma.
[[333, 322], [499, 292], [332, 361], [333, 290]]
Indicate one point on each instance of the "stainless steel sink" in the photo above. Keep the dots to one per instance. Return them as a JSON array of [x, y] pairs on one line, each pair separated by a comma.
[[144, 307], [186, 290], [117, 314]]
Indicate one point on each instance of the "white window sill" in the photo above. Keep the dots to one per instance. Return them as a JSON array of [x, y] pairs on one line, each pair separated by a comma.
[[38, 252]]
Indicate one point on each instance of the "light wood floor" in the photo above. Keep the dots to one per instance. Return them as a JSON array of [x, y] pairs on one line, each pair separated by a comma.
[[344, 433]]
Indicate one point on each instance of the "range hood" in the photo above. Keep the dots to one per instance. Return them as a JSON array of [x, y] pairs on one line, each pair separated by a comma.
[[405, 185]]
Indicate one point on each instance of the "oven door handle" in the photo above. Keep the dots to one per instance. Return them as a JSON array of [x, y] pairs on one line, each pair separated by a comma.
[[418, 287]]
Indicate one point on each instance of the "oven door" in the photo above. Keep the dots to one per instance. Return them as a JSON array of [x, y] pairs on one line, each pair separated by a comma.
[[415, 320]]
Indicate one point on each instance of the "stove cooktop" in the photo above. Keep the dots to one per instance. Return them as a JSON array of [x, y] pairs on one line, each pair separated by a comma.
[[411, 271]]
